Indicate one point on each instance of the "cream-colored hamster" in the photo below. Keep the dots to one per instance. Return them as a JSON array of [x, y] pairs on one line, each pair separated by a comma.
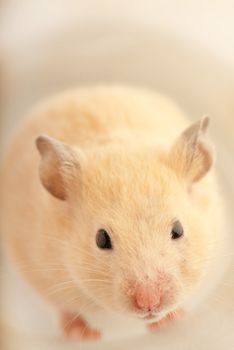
[[114, 208]]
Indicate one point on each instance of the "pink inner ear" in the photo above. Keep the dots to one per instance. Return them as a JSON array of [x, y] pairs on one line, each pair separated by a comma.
[[51, 177], [192, 155], [58, 166]]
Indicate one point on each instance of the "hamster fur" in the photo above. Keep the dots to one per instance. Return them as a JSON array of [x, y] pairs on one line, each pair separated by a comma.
[[125, 160]]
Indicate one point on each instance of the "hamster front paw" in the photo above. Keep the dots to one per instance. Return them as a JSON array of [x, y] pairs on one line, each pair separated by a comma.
[[76, 327], [170, 317]]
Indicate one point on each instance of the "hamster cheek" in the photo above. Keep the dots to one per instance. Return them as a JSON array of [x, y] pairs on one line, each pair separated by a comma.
[[193, 265]]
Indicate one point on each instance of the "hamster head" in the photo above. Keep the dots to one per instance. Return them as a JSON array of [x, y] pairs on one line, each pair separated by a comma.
[[138, 235]]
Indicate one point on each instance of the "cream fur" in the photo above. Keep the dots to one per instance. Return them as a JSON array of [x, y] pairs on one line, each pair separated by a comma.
[[127, 183]]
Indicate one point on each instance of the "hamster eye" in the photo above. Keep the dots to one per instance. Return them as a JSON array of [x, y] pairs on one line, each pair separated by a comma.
[[177, 230], [103, 240]]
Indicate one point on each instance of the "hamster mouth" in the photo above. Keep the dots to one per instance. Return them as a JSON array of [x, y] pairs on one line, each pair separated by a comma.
[[152, 315], [148, 316]]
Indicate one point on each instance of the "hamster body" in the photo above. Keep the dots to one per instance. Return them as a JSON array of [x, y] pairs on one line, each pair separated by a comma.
[[116, 208]]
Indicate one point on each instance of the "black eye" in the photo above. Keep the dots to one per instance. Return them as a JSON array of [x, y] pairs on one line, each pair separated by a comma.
[[177, 230], [103, 239]]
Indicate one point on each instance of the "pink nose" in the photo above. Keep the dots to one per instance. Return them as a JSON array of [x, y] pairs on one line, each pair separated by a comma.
[[147, 297]]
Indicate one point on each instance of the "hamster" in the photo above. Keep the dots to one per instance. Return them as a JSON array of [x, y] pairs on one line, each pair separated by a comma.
[[109, 202]]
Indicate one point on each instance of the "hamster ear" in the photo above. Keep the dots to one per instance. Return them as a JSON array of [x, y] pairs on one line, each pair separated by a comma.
[[192, 155], [58, 167]]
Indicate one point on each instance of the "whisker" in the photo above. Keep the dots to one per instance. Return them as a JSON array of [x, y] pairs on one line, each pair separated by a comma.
[[95, 280], [58, 286]]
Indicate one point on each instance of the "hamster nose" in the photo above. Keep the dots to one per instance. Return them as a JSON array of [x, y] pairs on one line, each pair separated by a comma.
[[147, 298]]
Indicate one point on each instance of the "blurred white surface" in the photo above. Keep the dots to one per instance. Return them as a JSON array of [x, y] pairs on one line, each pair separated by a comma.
[[210, 23], [49, 45], [182, 48]]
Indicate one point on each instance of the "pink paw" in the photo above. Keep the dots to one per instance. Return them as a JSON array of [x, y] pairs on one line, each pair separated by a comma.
[[164, 322], [77, 327]]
